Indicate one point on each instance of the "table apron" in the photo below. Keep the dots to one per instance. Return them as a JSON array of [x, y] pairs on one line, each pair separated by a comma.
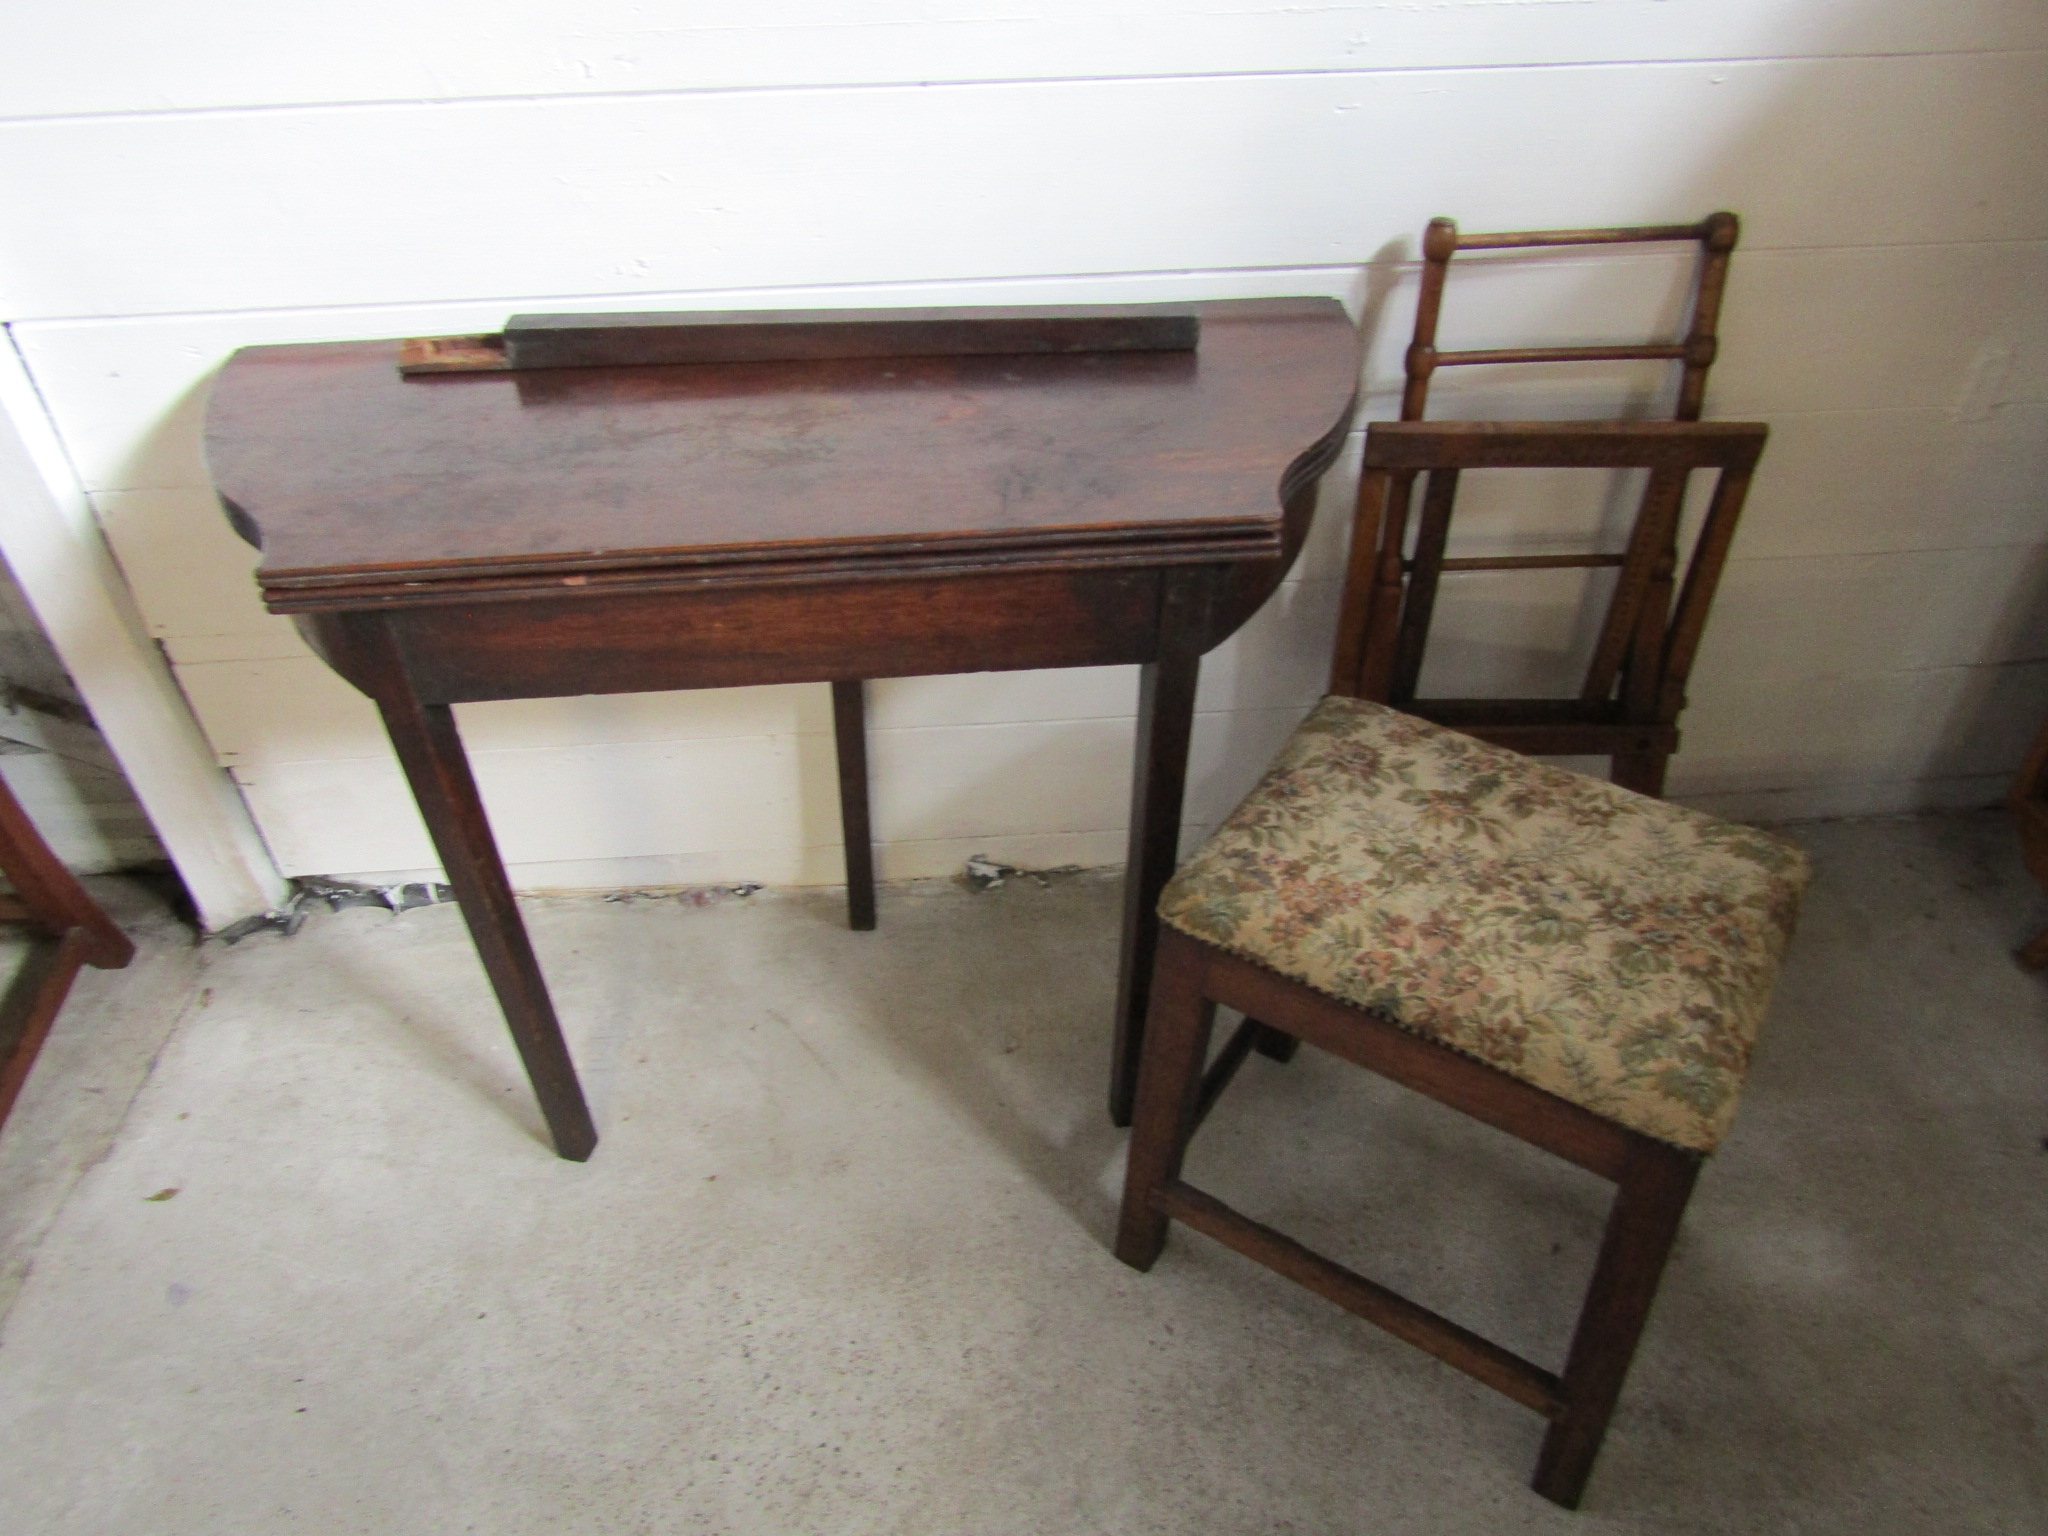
[[647, 642]]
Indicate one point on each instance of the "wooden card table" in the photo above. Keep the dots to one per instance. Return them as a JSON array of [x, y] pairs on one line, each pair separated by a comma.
[[455, 537]]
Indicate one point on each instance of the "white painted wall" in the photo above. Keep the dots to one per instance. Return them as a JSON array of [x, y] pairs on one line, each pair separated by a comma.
[[180, 181], [54, 549]]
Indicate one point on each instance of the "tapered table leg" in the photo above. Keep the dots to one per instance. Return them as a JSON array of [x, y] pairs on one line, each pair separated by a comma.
[[1166, 715], [430, 750], [850, 735], [1176, 1045]]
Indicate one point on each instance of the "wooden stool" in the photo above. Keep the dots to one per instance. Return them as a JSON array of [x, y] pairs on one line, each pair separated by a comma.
[[1577, 964], [73, 931]]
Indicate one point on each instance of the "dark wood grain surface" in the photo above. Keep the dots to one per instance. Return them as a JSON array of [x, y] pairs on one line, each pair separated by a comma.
[[453, 538], [583, 340], [365, 488]]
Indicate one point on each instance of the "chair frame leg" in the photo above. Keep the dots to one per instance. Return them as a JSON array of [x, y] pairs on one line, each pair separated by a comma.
[[72, 932], [1642, 772], [1653, 1183], [30, 1003]]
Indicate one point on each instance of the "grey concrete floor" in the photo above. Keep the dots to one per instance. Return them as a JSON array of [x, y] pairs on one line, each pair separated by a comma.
[[283, 1251]]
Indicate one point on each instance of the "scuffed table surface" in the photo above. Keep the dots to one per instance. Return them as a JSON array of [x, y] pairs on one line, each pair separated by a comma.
[[360, 485]]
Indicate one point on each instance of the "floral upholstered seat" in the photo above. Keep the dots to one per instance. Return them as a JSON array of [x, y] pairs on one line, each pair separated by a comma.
[[1611, 949]]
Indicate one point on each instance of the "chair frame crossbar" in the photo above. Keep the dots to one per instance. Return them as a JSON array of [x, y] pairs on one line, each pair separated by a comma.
[[1715, 235]]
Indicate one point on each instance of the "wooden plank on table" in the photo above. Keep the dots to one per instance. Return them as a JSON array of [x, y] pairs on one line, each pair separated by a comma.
[[597, 341], [662, 339]]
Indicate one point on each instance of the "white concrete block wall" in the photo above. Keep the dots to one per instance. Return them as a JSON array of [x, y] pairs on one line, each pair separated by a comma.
[[177, 182]]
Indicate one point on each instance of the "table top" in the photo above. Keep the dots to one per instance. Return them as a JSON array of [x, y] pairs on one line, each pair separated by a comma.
[[364, 487]]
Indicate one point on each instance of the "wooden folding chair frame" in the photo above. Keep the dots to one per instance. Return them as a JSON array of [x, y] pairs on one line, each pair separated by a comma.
[[1390, 592], [1626, 655]]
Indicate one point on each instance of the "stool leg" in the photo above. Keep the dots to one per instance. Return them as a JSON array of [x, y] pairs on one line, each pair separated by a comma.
[[2033, 955], [1177, 1027], [1274, 1044], [850, 737], [1655, 1184]]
